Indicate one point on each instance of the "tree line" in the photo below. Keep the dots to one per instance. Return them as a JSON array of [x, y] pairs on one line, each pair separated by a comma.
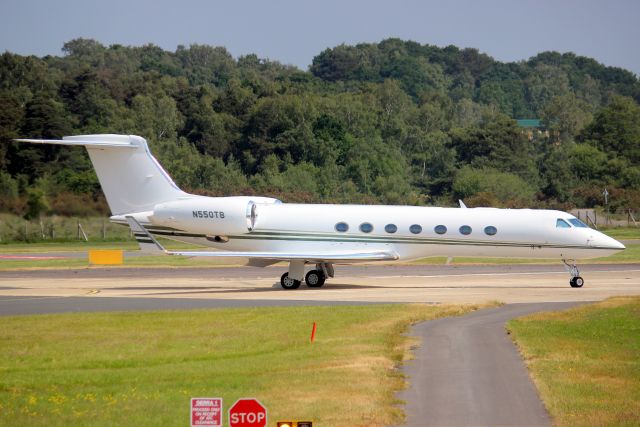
[[394, 122]]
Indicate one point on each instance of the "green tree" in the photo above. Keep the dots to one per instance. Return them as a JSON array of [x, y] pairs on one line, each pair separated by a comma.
[[505, 186], [497, 144], [565, 116], [544, 83], [616, 129], [36, 203]]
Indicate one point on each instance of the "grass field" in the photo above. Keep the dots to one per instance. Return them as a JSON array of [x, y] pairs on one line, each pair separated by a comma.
[[630, 255], [622, 232], [81, 246], [586, 362], [142, 368]]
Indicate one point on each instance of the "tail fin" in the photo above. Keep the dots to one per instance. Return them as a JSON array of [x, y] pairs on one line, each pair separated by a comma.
[[131, 178]]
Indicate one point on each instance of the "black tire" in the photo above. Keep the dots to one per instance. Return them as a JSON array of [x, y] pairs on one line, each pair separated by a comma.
[[287, 283], [576, 282], [314, 279]]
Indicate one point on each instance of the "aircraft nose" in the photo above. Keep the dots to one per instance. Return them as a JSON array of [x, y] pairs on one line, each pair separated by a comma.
[[607, 242]]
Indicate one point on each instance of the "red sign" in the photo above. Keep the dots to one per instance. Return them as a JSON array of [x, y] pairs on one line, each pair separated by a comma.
[[247, 413], [206, 412]]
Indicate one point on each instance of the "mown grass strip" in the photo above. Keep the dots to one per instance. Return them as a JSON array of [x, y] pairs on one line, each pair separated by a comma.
[[586, 361], [142, 368]]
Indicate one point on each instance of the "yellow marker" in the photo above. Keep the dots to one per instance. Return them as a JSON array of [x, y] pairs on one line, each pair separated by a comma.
[[105, 257], [294, 424]]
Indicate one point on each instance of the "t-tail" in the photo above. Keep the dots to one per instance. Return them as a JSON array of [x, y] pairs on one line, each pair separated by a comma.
[[131, 178]]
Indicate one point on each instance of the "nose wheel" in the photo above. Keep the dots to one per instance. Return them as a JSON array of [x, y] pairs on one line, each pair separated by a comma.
[[576, 281]]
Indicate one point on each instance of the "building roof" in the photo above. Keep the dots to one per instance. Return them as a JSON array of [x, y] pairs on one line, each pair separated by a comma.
[[529, 123]]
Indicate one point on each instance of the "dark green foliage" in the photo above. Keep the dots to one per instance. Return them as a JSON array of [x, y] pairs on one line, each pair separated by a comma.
[[504, 186], [36, 203], [390, 122], [616, 130]]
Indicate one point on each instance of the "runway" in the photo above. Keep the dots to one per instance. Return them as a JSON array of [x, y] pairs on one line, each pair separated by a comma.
[[221, 287]]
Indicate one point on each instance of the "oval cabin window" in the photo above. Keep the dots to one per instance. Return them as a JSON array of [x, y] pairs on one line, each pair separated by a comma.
[[342, 227], [465, 229], [390, 228], [365, 227], [440, 229], [490, 230], [415, 229]]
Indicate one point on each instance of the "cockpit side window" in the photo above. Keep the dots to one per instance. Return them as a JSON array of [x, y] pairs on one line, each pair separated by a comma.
[[561, 223], [577, 223]]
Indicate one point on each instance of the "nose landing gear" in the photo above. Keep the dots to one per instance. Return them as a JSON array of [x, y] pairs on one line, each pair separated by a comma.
[[576, 281]]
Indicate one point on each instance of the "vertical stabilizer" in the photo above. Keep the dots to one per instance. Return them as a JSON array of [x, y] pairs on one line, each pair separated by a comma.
[[131, 178]]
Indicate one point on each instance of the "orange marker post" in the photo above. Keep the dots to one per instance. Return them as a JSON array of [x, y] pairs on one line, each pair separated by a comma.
[[313, 332]]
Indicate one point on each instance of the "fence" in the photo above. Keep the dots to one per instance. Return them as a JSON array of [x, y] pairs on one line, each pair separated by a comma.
[[57, 228], [596, 218]]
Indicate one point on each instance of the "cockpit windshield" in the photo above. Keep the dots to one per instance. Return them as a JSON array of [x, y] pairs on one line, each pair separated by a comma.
[[561, 223], [577, 223]]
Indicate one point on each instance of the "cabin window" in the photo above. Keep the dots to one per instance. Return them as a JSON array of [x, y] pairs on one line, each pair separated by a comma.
[[365, 227], [415, 229], [465, 229], [440, 229], [561, 223], [390, 228], [490, 230], [342, 227], [577, 223]]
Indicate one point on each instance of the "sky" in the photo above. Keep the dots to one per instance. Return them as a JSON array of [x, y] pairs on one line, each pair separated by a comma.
[[294, 31]]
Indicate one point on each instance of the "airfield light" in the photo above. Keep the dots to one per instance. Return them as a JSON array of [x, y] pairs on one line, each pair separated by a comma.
[[294, 424]]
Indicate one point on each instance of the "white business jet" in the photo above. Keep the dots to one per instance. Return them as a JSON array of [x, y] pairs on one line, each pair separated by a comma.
[[141, 194]]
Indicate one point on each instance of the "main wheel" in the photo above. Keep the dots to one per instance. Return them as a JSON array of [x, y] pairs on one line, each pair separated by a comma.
[[314, 279], [576, 282], [288, 283]]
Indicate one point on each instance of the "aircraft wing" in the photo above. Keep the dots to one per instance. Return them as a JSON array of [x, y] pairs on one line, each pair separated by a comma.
[[148, 243], [344, 256]]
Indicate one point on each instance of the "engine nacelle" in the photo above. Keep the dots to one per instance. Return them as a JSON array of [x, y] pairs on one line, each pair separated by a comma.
[[212, 216]]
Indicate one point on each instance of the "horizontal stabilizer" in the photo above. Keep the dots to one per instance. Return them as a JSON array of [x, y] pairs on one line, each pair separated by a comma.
[[80, 142]]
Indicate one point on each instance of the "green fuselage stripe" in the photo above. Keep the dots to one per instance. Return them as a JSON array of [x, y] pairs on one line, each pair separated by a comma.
[[414, 241], [346, 238]]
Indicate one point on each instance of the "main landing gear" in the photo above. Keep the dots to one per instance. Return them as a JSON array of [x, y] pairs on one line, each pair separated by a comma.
[[576, 281], [313, 279]]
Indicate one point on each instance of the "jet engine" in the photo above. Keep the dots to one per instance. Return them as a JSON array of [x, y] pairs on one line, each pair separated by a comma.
[[212, 216]]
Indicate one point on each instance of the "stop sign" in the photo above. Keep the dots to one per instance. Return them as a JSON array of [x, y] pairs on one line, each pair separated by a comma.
[[247, 413]]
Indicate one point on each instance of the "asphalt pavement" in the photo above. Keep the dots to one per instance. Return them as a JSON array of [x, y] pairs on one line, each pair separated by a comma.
[[364, 270], [467, 372]]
